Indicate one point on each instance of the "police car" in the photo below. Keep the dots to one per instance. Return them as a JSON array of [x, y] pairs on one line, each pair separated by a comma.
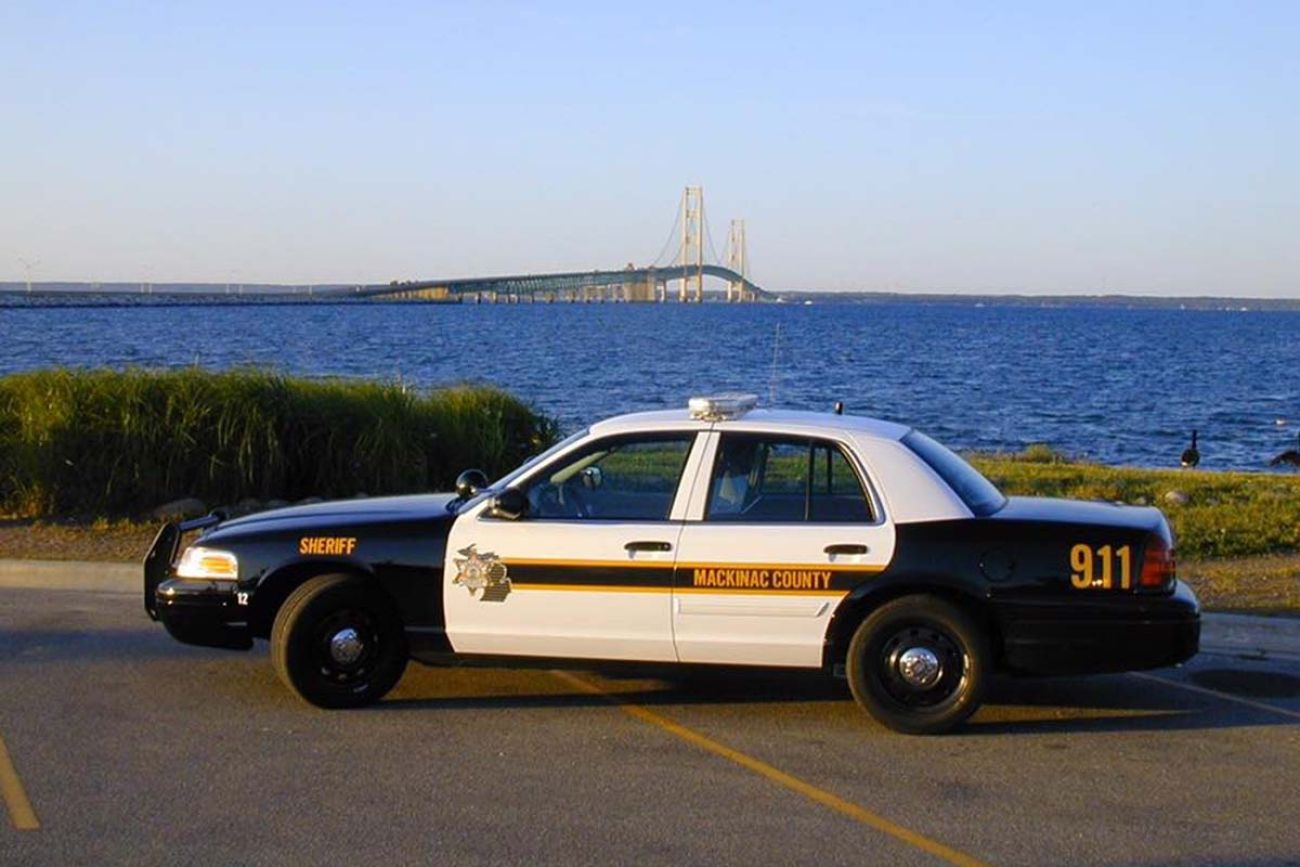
[[720, 534]]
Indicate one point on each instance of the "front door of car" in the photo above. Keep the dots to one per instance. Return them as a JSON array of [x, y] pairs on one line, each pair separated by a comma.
[[586, 570], [784, 529]]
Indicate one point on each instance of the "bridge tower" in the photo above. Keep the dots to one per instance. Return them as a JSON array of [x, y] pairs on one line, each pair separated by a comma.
[[692, 251], [737, 260]]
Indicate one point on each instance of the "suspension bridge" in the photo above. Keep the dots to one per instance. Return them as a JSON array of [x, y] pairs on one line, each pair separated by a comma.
[[677, 274], [688, 256]]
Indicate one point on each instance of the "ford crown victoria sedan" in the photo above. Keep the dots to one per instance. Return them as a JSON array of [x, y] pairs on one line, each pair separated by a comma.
[[719, 534]]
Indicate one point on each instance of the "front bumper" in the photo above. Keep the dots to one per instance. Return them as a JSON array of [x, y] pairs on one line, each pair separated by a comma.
[[205, 613], [1093, 636]]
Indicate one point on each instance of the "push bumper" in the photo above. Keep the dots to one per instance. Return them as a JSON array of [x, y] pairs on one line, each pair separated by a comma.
[[205, 613], [1093, 636]]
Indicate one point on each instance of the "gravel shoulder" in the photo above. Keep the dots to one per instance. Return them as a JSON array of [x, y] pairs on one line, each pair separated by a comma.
[[119, 541]]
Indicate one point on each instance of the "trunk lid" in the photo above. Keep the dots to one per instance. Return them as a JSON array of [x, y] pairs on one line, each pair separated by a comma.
[[1050, 510]]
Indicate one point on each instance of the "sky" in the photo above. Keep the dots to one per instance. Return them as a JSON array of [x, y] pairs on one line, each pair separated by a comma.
[[1046, 148]]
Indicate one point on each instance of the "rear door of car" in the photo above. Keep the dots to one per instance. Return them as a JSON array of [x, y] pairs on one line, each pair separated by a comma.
[[781, 526], [587, 571]]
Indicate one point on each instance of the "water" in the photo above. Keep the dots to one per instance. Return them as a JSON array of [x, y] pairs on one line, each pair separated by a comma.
[[1114, 385]]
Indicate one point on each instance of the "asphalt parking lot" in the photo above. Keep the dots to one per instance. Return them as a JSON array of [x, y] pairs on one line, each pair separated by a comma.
[[119, 745]]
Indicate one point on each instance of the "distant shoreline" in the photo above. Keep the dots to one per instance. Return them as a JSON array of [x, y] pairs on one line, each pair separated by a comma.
[[1128, 302], [71, 293]]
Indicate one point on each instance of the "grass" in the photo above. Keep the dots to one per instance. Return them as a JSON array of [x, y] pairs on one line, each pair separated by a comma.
[[109, 442], [1246, 585]]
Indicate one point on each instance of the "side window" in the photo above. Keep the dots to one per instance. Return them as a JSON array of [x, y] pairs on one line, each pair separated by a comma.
[[624, 479], [764, 479], [836, 493]]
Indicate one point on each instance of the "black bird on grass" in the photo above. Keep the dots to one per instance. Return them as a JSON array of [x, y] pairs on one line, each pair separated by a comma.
[[1290, 456], [1191, 457]]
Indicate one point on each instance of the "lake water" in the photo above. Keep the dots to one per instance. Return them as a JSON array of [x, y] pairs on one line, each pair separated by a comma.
[[1123, 386]]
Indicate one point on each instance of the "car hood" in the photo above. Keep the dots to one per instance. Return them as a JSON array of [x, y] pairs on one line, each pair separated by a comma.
[[1097, 512], [416, 508]]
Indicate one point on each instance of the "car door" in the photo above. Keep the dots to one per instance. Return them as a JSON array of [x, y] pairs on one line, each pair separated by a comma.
[[586, 571], [784, 528]]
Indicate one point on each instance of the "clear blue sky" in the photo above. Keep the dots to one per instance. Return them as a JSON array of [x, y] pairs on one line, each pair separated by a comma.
[[1043, 147]]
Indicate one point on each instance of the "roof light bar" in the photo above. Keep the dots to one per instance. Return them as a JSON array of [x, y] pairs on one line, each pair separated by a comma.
[[717, 407]]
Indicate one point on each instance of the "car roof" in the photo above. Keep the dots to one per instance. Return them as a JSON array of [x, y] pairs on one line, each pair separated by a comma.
[[783, 420]]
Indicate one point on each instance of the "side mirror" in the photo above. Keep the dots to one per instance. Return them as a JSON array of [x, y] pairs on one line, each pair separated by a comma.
[[470, 483], [510, 504]]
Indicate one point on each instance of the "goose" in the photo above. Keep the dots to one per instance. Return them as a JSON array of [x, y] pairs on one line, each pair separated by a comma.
[[1290, 456], [1191, 457]]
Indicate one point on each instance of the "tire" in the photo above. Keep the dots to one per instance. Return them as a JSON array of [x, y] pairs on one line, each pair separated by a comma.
[[918, 698], [337, 642]]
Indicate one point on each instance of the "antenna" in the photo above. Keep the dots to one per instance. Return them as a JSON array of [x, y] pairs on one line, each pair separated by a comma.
[[28, 265], [776, 354]]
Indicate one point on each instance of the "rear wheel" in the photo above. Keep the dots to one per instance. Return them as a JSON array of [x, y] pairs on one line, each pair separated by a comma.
[[337, 642], [919, 665]]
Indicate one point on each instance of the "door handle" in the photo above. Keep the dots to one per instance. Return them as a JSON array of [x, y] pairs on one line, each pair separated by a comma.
[[845, 549], [647, 546]]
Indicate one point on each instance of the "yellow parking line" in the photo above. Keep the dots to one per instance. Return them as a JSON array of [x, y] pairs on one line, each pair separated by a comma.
[[1226, 696], [20, 809], [763, 769]]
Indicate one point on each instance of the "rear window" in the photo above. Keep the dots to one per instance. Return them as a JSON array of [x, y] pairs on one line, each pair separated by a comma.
[[978, 493]]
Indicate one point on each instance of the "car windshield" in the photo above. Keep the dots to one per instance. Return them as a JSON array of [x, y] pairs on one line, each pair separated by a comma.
[[979, 494], [563, 444]]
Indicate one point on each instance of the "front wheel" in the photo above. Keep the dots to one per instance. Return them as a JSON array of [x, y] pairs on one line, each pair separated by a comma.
[[337, 642], [919, 665]]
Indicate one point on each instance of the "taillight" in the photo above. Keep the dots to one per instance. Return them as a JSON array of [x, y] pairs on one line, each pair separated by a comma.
[[1158, 566]]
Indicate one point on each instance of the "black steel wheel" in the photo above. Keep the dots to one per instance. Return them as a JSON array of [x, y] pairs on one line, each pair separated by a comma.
[[337, 642], [919, 664]]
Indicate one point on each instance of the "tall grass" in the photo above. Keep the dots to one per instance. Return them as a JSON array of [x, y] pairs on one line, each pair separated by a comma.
[[1213, 514], [121, 442]]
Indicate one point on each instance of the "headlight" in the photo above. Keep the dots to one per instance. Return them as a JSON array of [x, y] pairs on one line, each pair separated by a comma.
[[199, 562]]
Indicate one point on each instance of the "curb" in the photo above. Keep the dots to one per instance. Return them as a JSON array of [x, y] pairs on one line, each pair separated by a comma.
[[95, 576], [1251, 637]]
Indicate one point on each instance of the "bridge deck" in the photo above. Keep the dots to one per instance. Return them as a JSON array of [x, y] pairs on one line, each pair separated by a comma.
[[526, 284], [628, 284]]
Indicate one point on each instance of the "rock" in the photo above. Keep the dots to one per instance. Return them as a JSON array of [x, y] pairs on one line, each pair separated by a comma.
[[244, 507], [1177, 498], [180, 510]]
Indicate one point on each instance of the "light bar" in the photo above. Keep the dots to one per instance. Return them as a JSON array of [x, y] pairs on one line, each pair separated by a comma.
[[716, 407]]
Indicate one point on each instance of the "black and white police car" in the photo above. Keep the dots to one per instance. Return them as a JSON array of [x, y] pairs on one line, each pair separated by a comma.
[[720, 534]]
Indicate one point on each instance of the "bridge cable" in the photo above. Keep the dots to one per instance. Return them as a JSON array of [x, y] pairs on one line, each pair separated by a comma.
[[712, 249], [672, 238]]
